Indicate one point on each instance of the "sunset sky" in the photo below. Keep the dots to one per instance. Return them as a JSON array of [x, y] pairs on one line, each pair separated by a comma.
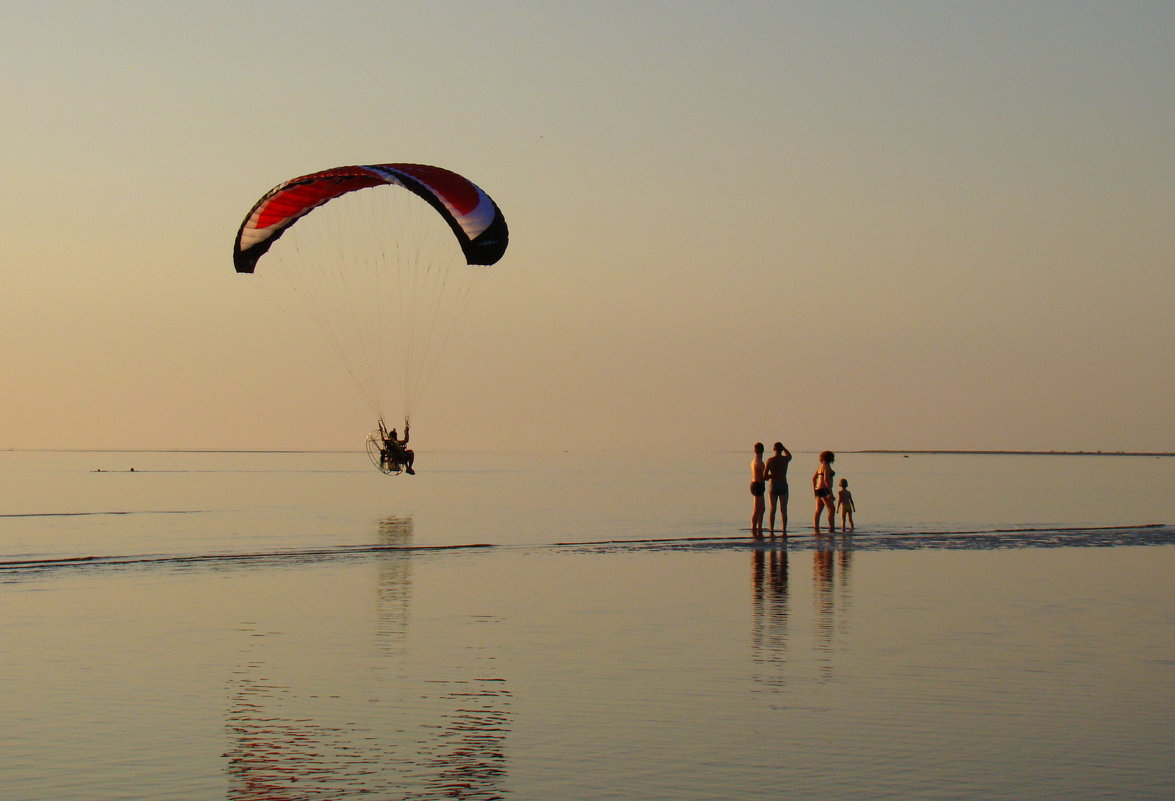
[[845, 225]]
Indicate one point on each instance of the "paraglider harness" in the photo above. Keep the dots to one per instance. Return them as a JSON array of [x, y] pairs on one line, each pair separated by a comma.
[[386, 452]]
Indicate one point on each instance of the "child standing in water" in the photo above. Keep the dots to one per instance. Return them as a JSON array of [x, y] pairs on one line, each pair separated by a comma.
[[844, 500]]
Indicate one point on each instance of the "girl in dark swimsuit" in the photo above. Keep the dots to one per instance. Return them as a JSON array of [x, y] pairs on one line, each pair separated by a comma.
[[822, 489]]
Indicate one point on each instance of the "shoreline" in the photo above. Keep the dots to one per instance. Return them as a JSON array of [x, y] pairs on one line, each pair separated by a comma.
[[892, 452]]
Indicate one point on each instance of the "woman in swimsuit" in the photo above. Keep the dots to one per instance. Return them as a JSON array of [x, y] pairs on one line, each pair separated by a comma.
[[822, 488]]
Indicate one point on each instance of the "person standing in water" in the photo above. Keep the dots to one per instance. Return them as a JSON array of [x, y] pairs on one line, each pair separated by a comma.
[[822, 488], [776, 473], [844, 502], [758, 489]]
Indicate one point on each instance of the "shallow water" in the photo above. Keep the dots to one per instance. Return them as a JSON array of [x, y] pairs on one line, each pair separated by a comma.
[[292, 627], [57, 505]]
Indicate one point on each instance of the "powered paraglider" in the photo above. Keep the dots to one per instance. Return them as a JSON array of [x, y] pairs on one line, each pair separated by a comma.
[[381, 259]]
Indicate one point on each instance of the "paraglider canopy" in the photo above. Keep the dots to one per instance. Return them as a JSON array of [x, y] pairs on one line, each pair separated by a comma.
[[475, 219]]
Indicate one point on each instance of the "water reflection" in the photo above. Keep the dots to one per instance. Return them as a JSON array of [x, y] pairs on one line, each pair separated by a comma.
[[769, 604], [831, 597], [394, 591], [773, 652], [371, 729], [280, 750], [467, 759]]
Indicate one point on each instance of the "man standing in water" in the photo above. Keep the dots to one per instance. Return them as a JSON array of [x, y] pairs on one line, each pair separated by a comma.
[[776, 473], [758, 489]]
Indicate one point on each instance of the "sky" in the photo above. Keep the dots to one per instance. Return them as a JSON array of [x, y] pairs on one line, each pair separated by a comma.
[[845, 225]]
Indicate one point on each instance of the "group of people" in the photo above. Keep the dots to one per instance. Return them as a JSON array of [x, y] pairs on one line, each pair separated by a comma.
[[769, 480]]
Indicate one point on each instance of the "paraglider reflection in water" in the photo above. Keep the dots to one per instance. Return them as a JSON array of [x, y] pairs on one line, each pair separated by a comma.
[[383, 268]]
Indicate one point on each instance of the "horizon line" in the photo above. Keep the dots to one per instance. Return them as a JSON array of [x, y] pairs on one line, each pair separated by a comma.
[[879, 451]]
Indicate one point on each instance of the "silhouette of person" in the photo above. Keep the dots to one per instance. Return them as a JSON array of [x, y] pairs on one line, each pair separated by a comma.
[[844, 502], [395, 453], [777, 493], [822, 488], [758, 489]]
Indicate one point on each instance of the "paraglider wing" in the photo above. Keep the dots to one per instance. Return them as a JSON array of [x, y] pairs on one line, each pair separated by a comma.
[[474, 218], [377, 257]]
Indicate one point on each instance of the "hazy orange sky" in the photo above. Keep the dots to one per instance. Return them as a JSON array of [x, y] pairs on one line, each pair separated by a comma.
[[843, 225]]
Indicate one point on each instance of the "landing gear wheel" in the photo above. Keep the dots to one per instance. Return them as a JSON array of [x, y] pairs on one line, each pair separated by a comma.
[[375, 444]]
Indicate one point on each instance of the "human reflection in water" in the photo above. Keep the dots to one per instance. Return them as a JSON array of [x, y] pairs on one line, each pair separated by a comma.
[[378, 729], [830, 597], [769, 606]]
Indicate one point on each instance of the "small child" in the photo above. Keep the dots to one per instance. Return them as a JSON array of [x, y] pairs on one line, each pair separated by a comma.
[[844, 500]]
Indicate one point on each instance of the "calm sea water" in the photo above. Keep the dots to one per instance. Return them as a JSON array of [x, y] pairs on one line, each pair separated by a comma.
[[297, 626]]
